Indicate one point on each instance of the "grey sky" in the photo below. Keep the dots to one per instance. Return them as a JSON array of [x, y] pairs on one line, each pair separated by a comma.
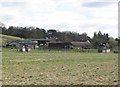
[[72, 15]]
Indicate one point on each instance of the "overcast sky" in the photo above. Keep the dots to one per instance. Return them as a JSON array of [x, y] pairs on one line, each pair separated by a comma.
[[64, 15]]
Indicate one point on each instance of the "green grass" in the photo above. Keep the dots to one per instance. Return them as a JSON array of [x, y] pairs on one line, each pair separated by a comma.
[[41, 67], [6, 39]]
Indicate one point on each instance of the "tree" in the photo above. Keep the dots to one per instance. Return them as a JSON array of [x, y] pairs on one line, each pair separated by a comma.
[[112, 42], [100, 39]]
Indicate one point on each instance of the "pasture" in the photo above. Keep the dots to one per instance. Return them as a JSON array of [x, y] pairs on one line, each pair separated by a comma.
[[41, 67], [7, 39]]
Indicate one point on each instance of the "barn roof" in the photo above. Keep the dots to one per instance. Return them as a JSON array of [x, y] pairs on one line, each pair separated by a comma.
[[28, 42], [69, 43], [87, 43]]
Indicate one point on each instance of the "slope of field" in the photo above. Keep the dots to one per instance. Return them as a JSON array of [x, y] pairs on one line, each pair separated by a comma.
[[7, 39], [41, 67]]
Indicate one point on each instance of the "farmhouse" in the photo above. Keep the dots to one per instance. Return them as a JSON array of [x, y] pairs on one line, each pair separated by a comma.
[[103, 48]]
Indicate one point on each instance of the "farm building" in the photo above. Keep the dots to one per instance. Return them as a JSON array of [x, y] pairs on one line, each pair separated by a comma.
[[86, 44], [59, 45], [36, 42], [63, 45], [103, 48], [22, 43], [29, 43], [51, 44], [12, 44], [41, 41], [24, 48]]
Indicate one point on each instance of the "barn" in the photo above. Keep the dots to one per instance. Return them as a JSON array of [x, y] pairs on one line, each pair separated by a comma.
[[84, 45], [59, 45]]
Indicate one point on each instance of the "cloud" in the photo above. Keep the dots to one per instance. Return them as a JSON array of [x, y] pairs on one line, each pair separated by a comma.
[[6, 17], [96, 4], [12, 4], [43, 6], [66, 15], [57, 26]]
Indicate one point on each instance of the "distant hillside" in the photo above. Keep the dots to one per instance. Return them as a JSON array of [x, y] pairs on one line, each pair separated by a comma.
[[7, 39]]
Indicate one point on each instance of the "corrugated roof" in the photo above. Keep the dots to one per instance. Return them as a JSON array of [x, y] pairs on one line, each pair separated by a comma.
[[81, 43]]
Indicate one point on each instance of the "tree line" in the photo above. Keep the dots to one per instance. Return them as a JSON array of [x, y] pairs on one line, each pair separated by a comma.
[[66, 36], [38, 33]]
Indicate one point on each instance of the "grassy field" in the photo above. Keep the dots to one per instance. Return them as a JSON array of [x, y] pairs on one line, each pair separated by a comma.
[[41, 67], [7, 39]]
